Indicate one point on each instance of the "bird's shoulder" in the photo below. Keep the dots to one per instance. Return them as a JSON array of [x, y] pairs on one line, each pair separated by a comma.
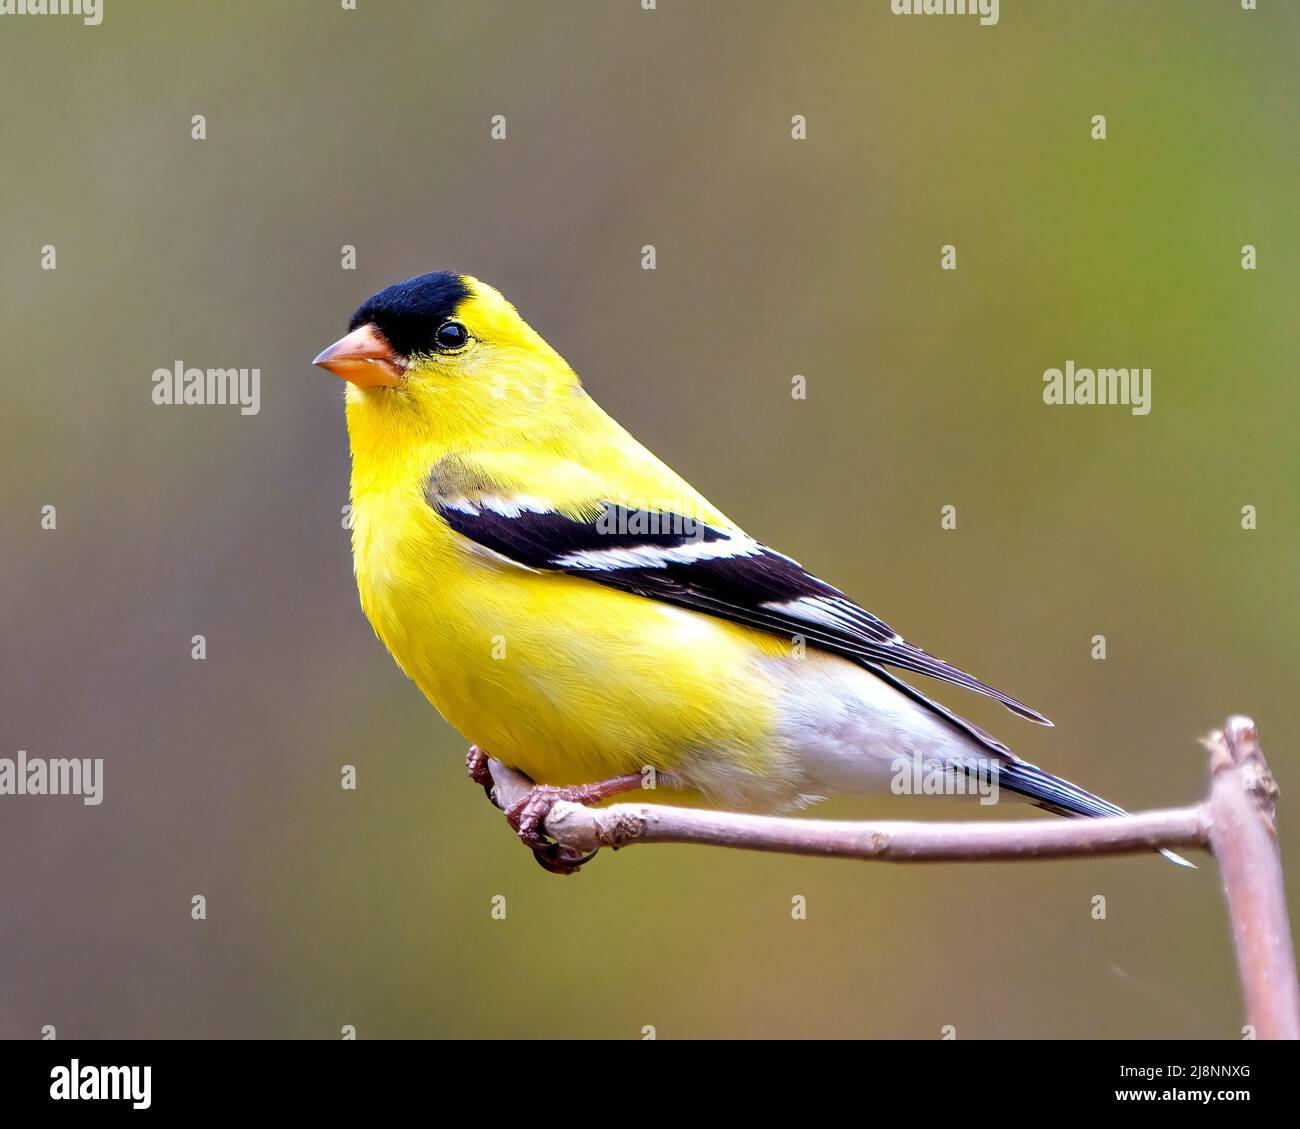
[[580, 485]]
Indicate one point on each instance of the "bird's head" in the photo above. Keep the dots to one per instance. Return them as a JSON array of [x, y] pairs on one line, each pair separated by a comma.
[[446, 353]]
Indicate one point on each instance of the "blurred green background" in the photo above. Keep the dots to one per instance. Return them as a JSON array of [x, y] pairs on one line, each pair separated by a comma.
[[776, 257]]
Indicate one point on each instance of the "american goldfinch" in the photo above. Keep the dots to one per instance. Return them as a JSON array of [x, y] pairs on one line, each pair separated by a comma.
[[579, 611]]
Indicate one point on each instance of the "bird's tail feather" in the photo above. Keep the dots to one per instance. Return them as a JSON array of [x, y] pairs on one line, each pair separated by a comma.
[[1060, 797]]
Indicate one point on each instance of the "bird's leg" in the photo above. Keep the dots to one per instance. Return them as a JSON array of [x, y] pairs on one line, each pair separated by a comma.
[[527, 814]]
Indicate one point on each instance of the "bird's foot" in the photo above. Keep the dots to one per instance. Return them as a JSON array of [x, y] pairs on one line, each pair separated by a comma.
[[527, 815], [476, 764]]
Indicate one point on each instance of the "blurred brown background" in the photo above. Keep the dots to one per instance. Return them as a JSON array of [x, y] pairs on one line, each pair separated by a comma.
[[328, 127]]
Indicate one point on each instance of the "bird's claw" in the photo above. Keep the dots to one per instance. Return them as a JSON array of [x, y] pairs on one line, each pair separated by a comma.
[[559, 859]]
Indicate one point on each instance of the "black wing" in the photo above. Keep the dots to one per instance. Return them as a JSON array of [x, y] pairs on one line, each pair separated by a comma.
[[669, 557]]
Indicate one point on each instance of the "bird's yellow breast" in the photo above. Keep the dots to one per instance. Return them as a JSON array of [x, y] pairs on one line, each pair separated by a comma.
[[557, 676]]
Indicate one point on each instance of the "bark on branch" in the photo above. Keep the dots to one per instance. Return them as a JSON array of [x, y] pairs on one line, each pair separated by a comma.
[[1237, 823]]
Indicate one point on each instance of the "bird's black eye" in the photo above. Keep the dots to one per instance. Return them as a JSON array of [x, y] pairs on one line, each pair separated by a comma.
[[451, 336]]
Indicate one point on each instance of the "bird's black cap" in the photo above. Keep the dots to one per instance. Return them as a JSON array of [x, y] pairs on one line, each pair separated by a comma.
[[409, 313]]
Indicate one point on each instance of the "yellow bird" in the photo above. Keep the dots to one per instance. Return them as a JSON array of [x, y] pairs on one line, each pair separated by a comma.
[[579, 611]]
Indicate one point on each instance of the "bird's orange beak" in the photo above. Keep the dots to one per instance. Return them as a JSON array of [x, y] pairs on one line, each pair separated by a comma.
[[363, 357]]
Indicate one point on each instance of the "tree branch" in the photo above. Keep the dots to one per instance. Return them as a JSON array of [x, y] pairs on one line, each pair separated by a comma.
[[1243, 835], [625, 825], [1237, 822]]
